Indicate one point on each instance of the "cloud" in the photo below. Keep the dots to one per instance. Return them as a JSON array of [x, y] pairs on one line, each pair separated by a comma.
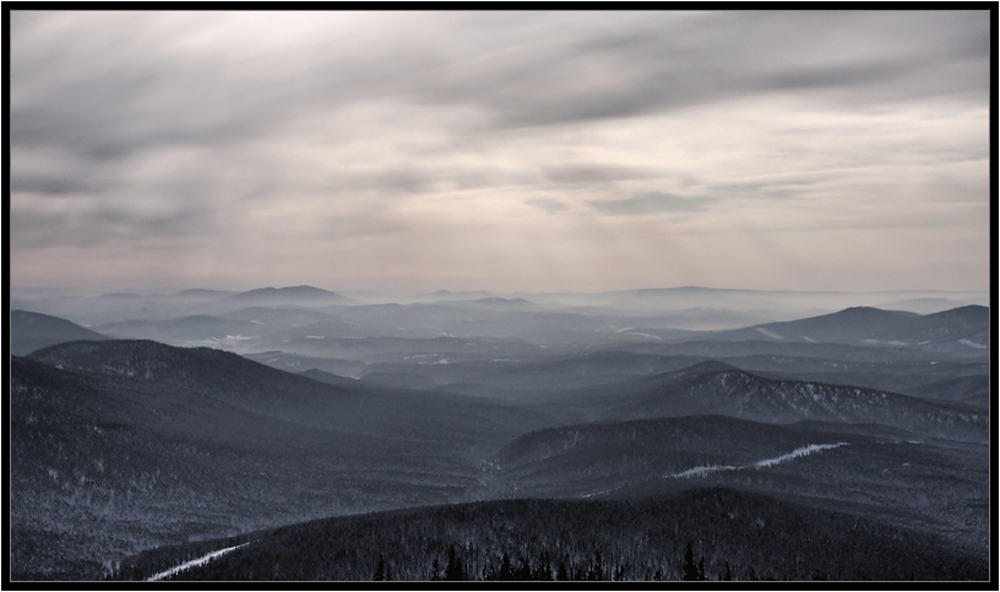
[[649, 203], [590, 174], [229, 134], [88, 224], [548, 204], [629, 64]]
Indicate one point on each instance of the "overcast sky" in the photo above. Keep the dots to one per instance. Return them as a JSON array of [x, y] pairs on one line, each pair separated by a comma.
[[577, 151]]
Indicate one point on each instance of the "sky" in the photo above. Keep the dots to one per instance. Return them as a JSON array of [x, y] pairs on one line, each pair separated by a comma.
[[502, 151]]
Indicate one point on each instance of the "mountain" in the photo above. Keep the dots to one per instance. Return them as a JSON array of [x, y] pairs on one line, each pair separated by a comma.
[[851, 325], [325, 377], [921, 305], [936, 486], [107, 465], [957, 329], [711, 346], [118, 446], [582, 460], [296, 364], [269, 392], [716, 388], [730, 534], [290, 295], [32, 330]]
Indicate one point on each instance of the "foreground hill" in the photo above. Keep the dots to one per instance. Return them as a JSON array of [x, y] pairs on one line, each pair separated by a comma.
[[736, 534], [932, 485], [32, 330]]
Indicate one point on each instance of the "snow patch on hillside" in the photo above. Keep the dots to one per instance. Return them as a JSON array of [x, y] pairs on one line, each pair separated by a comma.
[[193, 563], [804, 451], [704, 471]]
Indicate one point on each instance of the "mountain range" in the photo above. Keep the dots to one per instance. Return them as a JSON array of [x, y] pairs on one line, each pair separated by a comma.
[[298, 434]]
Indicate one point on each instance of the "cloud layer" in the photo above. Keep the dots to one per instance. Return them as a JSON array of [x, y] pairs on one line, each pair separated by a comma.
[[500, 150]]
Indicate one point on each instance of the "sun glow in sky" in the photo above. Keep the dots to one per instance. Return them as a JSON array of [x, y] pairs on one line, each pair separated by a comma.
[[503, 151]]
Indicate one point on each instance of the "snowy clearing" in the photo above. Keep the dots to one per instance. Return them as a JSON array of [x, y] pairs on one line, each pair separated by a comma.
[[770, 334], [193, 563], [797, 453], [768, 462]]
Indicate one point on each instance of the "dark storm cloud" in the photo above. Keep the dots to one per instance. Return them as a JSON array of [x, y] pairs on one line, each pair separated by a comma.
[[649, 203]]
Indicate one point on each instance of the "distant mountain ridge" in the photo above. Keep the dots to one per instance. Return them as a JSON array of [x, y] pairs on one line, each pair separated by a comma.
[[292, 293], [873, 326]]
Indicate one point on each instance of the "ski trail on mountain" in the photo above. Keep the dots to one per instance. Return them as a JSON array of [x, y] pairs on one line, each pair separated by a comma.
[[193, 563], [768, 462]]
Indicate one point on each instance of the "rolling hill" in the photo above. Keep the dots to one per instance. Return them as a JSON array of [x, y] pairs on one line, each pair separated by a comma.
[[123, 445], [931, 485], [32, 330], [716, 388], [956, 329]]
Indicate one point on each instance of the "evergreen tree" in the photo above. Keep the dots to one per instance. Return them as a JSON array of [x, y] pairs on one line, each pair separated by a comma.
[[524, 572], [506, 573], [561, 574], [435, 571], [596, 571], [690, 570], [379, 570], [489, 574], [544, 570], [455, 570]]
